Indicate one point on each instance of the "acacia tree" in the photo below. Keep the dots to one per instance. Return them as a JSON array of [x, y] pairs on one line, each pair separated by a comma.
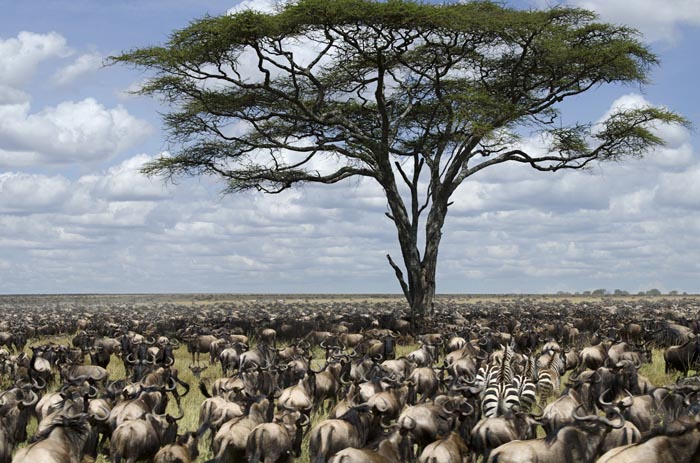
[[416, 97]]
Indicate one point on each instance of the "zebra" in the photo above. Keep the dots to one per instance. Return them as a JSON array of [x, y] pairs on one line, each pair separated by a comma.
[[549, 377], [526, 390], [499, 395], [498, 399], [486, 376]]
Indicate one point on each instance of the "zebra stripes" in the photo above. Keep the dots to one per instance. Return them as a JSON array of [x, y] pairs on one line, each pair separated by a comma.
[[503, 390], [498, 399], [549, 377], [527, 392]]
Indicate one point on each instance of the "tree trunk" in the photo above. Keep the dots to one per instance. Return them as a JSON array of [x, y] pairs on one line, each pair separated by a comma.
[[423, 301], [419, 285]]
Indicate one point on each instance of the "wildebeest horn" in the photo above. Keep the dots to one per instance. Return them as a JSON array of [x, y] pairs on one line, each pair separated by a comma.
[[471, 409], [446, 409], [303, 421], [32, 401], [575, 415], [601, 401], [92, 391], [385, 426], [627, 401], [77, 379], [180, 415], [171, 380], [36, 384], [102, 418], [260, 367], [615, 411], [537, 416]]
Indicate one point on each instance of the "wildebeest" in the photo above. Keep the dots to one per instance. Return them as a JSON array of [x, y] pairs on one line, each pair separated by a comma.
[[451, 449], [184, 450], [678, 442], [577, 443], [330, 436], [684, 357], [14, 415], [388, 451], [277, 442], [490, 433], [232, 438], [138, 439], [60, 442]]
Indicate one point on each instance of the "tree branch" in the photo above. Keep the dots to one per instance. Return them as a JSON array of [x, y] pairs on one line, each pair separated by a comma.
[[399, 276]]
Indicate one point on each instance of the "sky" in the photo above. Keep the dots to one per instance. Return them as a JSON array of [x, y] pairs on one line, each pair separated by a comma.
[[76, 216]]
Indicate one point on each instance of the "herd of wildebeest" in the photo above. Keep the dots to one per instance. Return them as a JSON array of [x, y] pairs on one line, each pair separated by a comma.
[[477, 382]]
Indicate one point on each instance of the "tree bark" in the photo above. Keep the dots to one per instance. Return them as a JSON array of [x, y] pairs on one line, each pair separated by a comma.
[[419, 284]]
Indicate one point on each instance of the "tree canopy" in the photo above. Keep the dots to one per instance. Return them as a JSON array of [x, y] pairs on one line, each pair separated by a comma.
[[417, 97]]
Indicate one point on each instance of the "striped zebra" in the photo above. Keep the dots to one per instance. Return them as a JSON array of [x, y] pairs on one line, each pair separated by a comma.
[[486, 376], [527, 392], [499, 395], [549, 377], [498, 398], [530, 370]]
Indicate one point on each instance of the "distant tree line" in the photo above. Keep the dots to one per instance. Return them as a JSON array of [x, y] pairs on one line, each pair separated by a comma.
[[621, 292]]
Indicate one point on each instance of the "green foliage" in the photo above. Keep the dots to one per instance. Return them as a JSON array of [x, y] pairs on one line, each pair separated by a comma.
[[389, 79]]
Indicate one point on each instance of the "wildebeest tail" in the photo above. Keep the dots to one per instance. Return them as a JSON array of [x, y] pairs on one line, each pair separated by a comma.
[[322, 455], [253, 449], [203, 388]]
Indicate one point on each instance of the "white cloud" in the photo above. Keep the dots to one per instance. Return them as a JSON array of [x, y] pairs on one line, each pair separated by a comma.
[[19, 159], [20, 56], [83, 64], [21, 191], [12, 96], [124, 182], [71, 131], [658, 20], [263, 6], [680, 189]]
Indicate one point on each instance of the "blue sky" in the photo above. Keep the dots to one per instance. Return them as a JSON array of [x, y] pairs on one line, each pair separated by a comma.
[[76, 216]]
